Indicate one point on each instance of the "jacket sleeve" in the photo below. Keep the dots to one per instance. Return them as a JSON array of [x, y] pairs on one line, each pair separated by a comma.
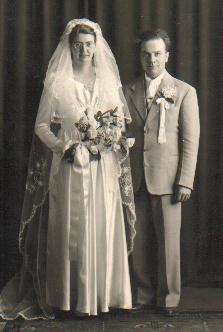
[[189, 138]]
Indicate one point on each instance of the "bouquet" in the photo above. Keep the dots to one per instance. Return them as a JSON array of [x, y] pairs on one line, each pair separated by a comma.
[[100, 132]]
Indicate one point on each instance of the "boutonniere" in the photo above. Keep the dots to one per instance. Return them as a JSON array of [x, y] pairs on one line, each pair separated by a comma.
[[165, 97]]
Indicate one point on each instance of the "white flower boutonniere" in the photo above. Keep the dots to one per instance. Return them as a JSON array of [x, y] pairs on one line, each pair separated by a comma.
[[166, 97]]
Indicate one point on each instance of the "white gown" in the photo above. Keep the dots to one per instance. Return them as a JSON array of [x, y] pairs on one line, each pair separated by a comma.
[[87, 262]]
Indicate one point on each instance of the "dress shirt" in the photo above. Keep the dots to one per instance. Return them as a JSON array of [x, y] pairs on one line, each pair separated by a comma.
[[153, 84]]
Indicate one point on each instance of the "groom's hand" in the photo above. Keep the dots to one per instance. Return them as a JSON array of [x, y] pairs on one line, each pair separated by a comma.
[[182, 194]]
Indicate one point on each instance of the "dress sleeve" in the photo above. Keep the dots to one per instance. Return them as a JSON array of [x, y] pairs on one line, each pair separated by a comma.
[[46, 110]]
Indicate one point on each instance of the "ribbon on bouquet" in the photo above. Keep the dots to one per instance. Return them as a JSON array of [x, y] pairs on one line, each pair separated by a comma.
[[79, 194]]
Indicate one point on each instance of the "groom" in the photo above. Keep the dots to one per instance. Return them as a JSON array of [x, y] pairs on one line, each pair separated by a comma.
[[165, 124]]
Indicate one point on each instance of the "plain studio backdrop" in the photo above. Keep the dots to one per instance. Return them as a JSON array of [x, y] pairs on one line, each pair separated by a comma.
[[29, 33]]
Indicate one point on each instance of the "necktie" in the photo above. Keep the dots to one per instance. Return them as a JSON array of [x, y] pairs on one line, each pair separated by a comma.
[[149, 95]]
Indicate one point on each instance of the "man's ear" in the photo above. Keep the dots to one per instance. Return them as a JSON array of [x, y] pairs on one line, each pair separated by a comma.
[[167, 56]]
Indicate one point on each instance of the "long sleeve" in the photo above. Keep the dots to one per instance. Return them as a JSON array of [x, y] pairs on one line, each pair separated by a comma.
[[43, 131], [189, 138], [43, 121]]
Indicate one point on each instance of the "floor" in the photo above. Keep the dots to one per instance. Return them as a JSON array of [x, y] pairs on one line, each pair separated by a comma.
[[140, 321], [200, 310]]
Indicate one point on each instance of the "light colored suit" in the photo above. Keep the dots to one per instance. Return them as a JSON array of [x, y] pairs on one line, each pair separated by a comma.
[[156, 170]]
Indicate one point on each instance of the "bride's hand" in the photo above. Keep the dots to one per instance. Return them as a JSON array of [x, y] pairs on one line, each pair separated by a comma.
[[70, 153]]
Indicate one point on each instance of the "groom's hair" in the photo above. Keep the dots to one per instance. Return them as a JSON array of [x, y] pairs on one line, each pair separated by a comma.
[[155, 34]]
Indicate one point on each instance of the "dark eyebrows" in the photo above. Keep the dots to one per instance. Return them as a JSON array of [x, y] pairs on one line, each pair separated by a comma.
[[149, 53], [82, 43]]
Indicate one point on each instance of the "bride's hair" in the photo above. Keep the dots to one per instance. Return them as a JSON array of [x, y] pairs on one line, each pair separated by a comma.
[[81, 28]]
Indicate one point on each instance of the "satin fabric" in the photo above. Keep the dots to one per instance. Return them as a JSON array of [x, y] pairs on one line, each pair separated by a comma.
[[92, 275], [87, 261]]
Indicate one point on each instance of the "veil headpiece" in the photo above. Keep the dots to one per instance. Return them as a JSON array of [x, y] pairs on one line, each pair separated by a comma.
[[60, 66]]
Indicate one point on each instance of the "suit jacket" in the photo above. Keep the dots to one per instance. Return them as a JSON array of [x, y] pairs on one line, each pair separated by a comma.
[[174, 162]]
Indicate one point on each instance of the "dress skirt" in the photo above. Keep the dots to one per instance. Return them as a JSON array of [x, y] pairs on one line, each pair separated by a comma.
[[87, 262]]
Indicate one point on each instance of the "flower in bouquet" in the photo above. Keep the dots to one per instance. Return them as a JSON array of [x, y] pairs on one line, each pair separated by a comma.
[[102, 131], [108, 141], [117, 133], [109, 131], [92, 133], [106, 118], [83, 124], [117, 121]]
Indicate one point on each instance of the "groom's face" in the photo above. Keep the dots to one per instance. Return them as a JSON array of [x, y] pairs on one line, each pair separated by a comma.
[[153, 57]]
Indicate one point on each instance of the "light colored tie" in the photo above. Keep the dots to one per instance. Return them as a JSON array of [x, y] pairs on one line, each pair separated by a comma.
[[149, 94]]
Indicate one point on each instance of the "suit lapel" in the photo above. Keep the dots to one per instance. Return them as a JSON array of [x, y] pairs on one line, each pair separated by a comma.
[[138, 97]]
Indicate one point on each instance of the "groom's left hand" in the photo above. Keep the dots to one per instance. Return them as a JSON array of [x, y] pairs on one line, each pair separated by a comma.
[[182, 193]]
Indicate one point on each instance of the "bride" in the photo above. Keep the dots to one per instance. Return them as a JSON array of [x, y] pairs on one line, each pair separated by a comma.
[[73, 234]]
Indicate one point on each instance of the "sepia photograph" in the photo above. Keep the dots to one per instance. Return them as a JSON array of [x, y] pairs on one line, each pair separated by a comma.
[[111, 122]]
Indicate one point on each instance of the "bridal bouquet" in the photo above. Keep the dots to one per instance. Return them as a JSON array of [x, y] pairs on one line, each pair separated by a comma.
[[101, 131]]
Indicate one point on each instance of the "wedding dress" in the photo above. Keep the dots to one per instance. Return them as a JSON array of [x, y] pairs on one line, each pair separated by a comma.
[[78, 218], [87, 261]]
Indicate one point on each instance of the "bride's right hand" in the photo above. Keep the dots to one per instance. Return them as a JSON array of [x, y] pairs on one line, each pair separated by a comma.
[[70, 153]]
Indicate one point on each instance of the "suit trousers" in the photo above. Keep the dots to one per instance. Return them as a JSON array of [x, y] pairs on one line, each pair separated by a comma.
[[156, 255]]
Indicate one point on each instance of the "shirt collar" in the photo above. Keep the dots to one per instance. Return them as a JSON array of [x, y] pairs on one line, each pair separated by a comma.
[[153, 84], [156, 80]]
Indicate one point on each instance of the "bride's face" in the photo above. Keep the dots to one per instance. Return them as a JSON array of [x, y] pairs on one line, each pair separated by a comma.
[[83, 48]]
